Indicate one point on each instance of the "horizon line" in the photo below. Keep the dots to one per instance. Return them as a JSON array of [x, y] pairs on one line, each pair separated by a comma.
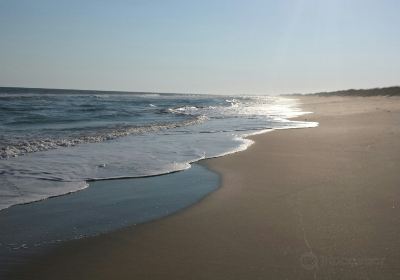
[[191, 93]]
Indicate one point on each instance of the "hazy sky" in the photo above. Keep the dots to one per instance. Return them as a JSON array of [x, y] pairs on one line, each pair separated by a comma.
[[202, 46]]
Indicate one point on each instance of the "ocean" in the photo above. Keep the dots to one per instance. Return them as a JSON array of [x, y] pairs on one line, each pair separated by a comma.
[[53, 142]]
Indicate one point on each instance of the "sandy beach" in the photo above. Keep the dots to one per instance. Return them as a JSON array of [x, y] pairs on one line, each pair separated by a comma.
[[315, 203]]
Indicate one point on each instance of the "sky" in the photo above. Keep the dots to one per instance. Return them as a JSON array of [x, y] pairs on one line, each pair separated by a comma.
[[207, 46]]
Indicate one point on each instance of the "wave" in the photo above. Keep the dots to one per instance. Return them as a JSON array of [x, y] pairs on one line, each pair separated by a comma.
[[36, 145]]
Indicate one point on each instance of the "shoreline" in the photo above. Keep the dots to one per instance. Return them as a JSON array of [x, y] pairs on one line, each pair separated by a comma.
[[245, 140], [269, 232]]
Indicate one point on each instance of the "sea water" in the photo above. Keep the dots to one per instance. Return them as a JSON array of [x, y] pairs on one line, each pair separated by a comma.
[[52, 142]]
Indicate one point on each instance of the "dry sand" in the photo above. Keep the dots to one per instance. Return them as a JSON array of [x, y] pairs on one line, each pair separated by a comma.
[[317, 203]]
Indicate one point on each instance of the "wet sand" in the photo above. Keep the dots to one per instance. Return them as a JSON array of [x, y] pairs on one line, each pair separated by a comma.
[[315, 203]]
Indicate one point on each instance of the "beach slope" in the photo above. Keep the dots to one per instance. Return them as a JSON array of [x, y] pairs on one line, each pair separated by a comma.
[[315, 203]]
